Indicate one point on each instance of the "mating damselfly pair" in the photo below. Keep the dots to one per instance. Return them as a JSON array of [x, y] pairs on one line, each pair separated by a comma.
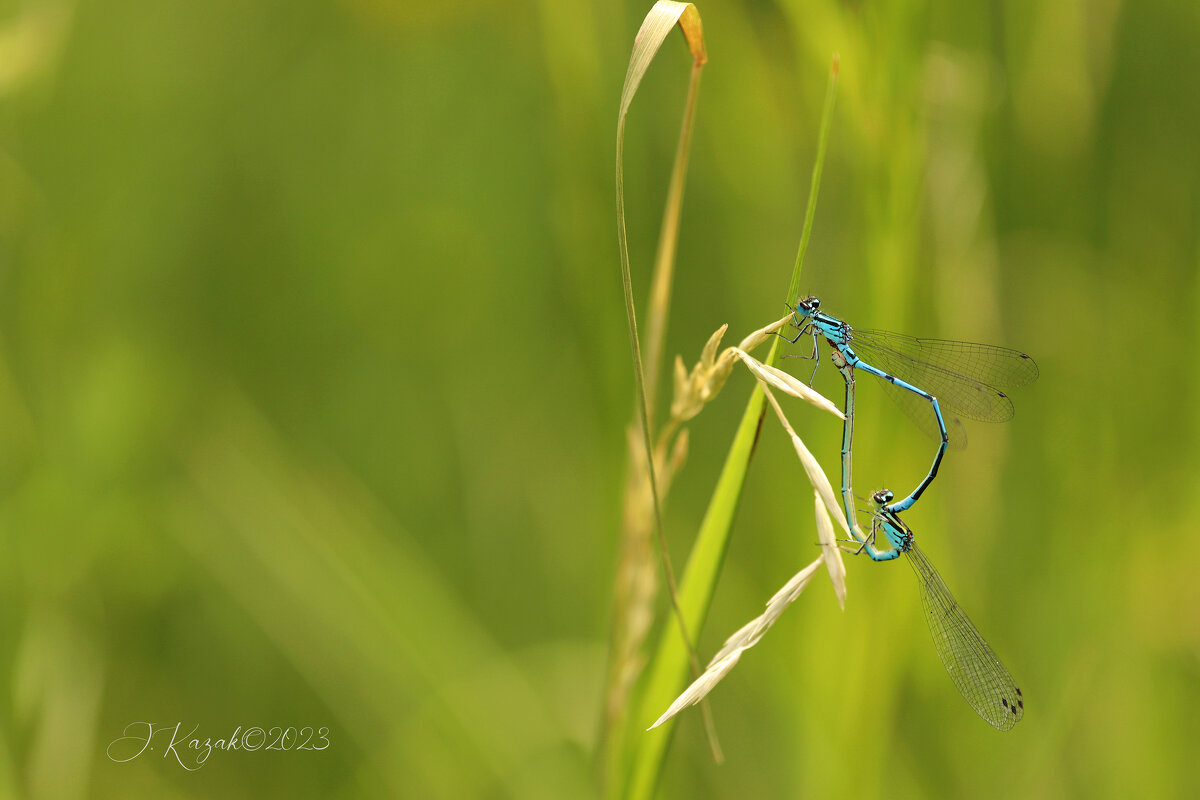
[[927, 377]]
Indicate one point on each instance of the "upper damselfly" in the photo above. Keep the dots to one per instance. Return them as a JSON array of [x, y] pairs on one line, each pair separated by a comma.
[[964, 378]]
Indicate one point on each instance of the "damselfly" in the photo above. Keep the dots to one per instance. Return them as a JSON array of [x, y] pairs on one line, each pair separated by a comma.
[[964, 378], [973, 666]]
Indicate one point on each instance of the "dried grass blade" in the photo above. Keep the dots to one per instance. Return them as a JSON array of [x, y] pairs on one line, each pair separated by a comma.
[[787, 383], [816, 476], [829, 546]]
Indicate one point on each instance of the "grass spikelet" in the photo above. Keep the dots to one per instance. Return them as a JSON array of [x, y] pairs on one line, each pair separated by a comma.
[[746, 637], [787, 383]]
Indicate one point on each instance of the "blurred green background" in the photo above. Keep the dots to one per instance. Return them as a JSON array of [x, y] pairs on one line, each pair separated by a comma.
[[314, 375]]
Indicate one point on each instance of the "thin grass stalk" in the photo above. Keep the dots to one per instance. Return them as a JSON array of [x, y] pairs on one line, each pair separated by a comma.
[[814, 188], [668, 670], [626, 637]]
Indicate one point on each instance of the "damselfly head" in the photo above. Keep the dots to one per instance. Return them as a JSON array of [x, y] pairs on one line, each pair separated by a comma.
[[882, 497], [808, 306]]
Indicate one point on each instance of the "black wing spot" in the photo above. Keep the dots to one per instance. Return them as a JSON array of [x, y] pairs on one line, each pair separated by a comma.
[[1021, 703], [1019, 692], [1004, 702]]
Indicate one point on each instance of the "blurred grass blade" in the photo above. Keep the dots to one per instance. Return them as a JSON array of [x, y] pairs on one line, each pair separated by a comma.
[[668, 234], [370, 624], [669, 667]]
